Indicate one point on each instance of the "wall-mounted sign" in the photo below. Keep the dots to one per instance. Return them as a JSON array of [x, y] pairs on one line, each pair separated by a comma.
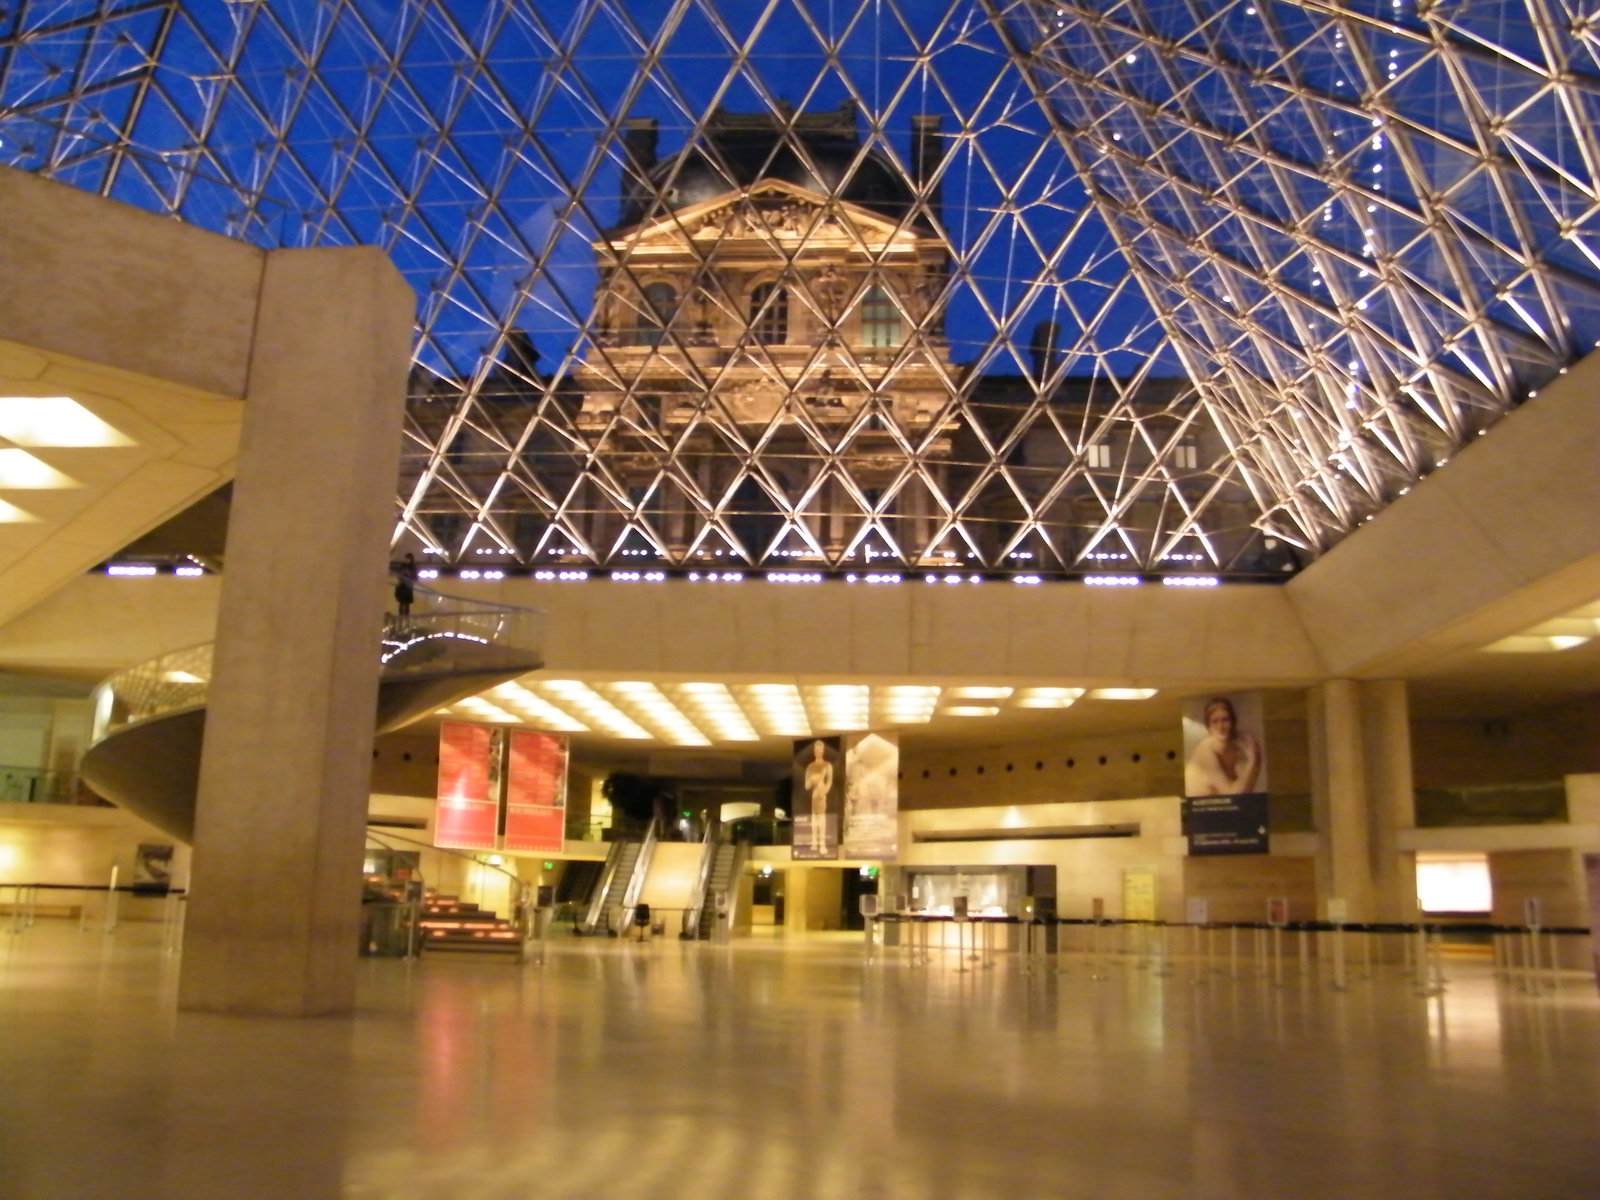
[[1278, 910], [871, 795], [468, 816], [1225, 804], [818, 798], [536, 791]]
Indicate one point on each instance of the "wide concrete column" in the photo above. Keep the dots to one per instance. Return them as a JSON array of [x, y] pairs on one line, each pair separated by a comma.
[[1361, 790], [1391, 796], [275, 894]]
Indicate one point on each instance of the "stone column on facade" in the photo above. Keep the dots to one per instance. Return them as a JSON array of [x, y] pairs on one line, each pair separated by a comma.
[[275, 896]]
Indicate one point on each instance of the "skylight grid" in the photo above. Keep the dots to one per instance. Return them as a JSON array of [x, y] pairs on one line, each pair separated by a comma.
[[1310, 250]]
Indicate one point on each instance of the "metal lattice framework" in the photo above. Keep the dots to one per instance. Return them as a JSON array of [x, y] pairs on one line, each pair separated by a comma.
[[1158, 285]]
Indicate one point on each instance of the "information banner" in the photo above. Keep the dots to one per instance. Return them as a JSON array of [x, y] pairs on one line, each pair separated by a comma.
[[536, 792], [468, 816], [1225, 788], [1226, 824], [871, 795], [818, 795]]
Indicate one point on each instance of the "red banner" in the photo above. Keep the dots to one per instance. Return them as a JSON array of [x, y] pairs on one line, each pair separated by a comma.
[[536, 792], [469, 801]]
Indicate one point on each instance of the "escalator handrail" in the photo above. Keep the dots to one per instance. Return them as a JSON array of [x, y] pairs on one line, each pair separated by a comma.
[[641, 870], [597, 902], [708, 858]]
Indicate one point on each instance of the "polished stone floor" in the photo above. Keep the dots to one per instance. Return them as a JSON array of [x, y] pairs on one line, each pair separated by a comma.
[[775, 1071]]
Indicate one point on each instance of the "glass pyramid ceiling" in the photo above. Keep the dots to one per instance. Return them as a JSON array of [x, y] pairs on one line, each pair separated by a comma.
[[1049, 288]]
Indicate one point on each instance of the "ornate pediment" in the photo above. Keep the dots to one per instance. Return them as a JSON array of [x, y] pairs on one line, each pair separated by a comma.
[[772, 211]]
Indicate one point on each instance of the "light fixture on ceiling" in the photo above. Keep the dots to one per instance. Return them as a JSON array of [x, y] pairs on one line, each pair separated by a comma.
[[979, 693], [10, 514], [55, 421], [969, 710], [1121, 693], [19, 469], [1534, 644], [1552, 636], [1046, 697]]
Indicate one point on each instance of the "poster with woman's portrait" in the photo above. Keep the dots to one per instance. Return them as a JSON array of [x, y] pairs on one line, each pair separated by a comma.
[[1225, 774], [818, 797]]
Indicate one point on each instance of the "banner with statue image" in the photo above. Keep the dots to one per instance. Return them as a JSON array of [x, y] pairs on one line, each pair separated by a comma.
[[817, 798], [871, 795]]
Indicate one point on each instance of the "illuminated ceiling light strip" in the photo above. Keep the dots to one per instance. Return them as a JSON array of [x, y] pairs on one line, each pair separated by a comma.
[[1534, 644], [51, 421], [651, 708], [21, 470], [716, 710], [1121, 693], [581, 701], [1046, 697], [10, 514]]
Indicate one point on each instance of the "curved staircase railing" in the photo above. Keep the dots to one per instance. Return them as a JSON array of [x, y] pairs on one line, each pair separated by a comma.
[[443, 636], [149, 720]]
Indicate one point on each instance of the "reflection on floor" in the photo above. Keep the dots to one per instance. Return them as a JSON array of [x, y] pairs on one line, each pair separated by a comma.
[[781, 1070]]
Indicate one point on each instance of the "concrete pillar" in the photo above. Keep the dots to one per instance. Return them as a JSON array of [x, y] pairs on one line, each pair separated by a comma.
[[280, 823], [1361, 790], [1391, 797]]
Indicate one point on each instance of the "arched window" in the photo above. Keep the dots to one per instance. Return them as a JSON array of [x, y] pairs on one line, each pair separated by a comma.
[[880, 319], [769, 314], [660, 302]]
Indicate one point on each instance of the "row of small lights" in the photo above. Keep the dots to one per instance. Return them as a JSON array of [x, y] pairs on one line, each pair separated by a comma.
[[870, 577], [702, 713]]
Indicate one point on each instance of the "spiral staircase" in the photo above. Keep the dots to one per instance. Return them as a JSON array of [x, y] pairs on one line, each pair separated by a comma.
[[150, 719]]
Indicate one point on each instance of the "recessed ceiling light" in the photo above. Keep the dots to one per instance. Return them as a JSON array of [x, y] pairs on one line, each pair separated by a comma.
[[1046, 697], [979, 693], [10, 514], [55, 421], [1534, 644], [19, 469], [1122, 693], [969, 710]]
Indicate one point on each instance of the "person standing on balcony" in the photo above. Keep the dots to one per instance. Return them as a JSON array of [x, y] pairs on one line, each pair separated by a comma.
[[405, 585]]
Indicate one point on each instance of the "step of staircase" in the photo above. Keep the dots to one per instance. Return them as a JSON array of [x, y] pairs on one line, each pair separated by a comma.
[[452, 927]]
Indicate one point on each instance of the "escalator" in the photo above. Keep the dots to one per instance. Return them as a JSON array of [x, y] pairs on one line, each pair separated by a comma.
[[150, 720], [721, 864], [578, 878], [616, 898]]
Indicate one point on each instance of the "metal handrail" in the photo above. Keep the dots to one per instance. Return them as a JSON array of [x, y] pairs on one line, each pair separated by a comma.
[[641, 869], [521, 909], [420, 643], [708, 859], [597, 903]]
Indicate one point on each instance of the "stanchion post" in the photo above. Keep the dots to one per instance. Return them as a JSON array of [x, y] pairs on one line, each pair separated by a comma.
[[111, 903]]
